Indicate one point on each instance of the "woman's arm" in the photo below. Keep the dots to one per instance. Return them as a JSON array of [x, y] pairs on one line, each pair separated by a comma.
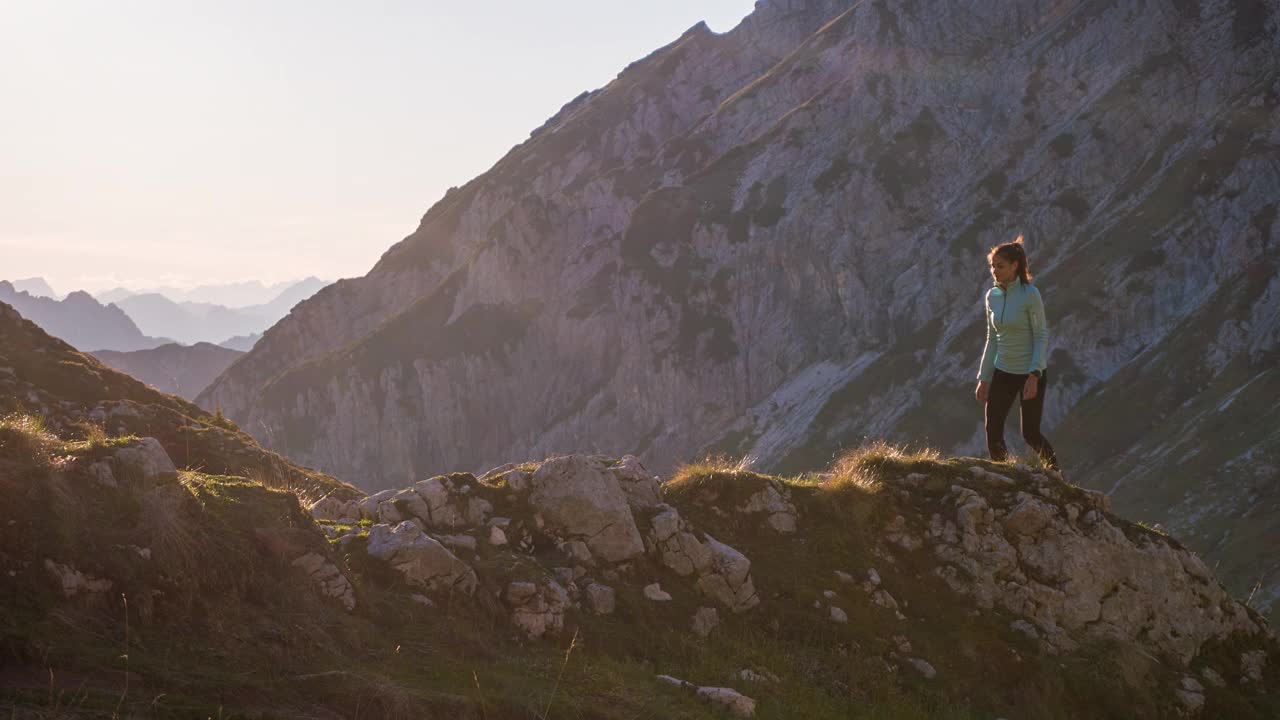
[[988, 365], [1039, 330]]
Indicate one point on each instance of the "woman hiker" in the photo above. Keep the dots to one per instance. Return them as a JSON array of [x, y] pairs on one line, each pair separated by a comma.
[[1013, 361]]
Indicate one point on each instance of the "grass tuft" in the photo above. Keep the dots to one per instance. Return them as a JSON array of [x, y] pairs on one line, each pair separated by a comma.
[[864, 468]]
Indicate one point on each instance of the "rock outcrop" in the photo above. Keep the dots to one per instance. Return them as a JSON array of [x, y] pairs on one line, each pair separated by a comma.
[[580, 510], [422, 559], [1055, 556]]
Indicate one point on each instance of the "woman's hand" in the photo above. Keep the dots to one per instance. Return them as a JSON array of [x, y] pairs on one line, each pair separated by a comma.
[[981, 392], [1030, 389]]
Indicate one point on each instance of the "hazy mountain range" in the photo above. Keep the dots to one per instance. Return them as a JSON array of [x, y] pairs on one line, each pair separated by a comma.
[[192, 322], [230, 295], [80, 320], [771, 243], [138, 321], [35, 286]]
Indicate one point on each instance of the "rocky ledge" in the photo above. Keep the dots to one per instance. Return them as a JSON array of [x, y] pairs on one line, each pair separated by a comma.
[[540, 542]]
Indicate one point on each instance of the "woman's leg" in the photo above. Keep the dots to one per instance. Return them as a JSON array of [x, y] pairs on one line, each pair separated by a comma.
[[1031, 411], [1000, 396]]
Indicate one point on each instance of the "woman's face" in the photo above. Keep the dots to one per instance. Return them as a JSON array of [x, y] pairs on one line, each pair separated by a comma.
[[1003, 271]]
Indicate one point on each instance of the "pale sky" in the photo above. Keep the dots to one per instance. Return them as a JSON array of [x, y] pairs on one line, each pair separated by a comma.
[[177, 143]]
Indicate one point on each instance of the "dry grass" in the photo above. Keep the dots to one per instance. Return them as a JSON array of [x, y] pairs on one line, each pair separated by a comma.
[[710, 465], [862, 468], [307, 495], [25, 440]]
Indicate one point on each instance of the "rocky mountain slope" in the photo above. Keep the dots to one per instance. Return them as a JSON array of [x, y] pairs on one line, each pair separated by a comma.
[[769, 243], [80, 320], [182, 370]]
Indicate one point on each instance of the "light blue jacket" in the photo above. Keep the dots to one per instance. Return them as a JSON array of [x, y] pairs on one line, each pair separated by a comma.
[[1017, 334]]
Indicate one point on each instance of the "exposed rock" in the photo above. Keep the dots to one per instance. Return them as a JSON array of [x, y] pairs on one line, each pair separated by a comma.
[[1190, 695], [898, 534], [368, 506], [781, 514], [537, 608], [1252, 664], [497, 537], [446, 508], [638, 484], [577, 550], [328, 578], [458, 542], [334, 510], [729, 578], [723, 572], [600, 599], [420, 558], [705, 620], [655, 593], [581, 500], [736, 703], [923, 666], [757, 677], [1212, 677], [145, 462], [838, 615], [478, 510], [1080, 579], [844, 577]]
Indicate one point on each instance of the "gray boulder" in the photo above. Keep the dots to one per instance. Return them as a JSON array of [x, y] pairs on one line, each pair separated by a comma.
[[579, 499], [422, 560], [146, 463]]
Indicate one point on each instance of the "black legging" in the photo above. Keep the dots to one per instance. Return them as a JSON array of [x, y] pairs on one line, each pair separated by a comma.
[[1004, 389]]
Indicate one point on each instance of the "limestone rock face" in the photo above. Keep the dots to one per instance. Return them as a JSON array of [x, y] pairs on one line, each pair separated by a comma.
[[537, 608], [420, 558], [779, 512], [328, 578], [1076, 574], [723, 573], [582, 500], [335, 510], [640, 487]]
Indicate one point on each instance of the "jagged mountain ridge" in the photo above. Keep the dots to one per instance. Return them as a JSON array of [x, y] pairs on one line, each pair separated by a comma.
[[36, 286], [769, 243], [81, 320], [182, 370]]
